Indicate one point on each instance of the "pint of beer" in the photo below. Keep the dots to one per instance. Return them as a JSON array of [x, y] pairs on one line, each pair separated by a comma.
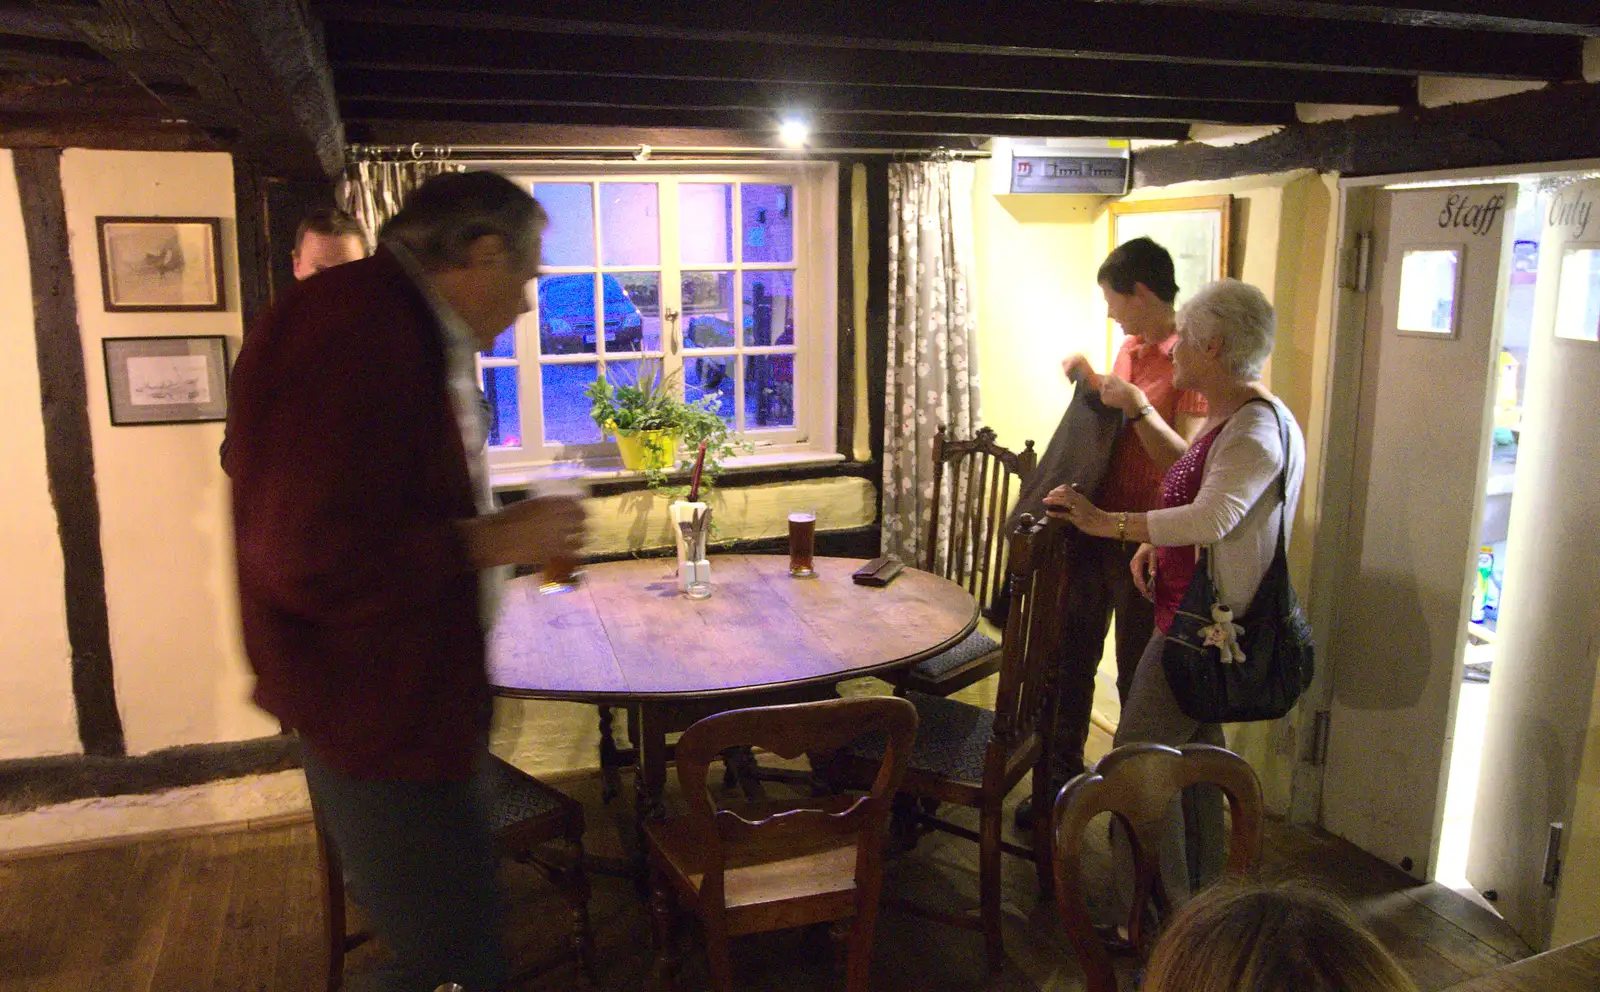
[[802, 543]]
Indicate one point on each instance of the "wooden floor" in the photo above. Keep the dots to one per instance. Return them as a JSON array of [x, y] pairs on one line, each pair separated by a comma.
[[239, 912]]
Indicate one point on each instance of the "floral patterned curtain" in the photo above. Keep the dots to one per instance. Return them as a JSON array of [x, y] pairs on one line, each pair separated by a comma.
[[933, 359], [373, 191]]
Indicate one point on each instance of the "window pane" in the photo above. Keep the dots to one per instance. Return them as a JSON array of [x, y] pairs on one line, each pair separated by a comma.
[[1578, 295], [768, 213], [500, 392], [1428, 291], [768, 308], [569, 240], [713, 377], [708, 310], [704, 211], [629, 232], [633, 311], [566, 409], [566, 315], [768, 391], [505, 344]]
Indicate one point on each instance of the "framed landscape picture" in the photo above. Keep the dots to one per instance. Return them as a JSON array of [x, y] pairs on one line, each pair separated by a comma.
[[167, 380], [156, 264]]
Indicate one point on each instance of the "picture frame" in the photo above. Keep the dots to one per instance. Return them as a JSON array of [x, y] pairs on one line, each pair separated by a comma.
[[166, 380], [160, 264], [1195, 229]]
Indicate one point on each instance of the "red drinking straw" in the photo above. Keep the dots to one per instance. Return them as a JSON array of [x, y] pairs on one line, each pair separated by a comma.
[[694, 480]]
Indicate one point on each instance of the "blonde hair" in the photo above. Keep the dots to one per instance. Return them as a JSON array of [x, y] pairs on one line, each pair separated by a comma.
[[1262, 939]]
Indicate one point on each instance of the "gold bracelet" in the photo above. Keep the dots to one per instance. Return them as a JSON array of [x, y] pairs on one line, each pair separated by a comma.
[[1122, 526]]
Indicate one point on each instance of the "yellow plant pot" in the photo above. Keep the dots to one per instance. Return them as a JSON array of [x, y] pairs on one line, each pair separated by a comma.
[[645, 450]]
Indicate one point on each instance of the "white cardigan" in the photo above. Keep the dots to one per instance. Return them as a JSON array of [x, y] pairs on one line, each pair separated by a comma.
[[1237, 509]]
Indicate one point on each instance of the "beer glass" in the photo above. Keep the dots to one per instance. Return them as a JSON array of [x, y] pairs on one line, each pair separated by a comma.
[[561, 572], [802, 543]]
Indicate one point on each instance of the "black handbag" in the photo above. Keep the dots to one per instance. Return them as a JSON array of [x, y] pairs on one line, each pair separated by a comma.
[[1273, 634]]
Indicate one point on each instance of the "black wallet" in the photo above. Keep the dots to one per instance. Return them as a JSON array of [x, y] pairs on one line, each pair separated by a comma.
[[878, 571]]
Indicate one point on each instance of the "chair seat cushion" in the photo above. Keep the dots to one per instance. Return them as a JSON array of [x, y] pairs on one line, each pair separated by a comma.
[[516, 797], [976, 645], [952, 739]]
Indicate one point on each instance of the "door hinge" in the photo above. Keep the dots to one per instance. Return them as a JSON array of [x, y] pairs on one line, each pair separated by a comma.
[[1552, 854], [1320, 722], [1362, 277]]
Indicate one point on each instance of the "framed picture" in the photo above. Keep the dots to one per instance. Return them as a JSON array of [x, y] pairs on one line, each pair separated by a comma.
[[167, 380], [156, 264], [1194, 229]]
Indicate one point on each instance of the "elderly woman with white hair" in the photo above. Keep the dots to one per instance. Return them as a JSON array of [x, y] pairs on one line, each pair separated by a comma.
[[1220, 490]]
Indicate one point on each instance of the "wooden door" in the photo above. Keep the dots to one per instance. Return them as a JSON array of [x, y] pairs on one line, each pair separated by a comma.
[[1421, 460], [1541, 694]]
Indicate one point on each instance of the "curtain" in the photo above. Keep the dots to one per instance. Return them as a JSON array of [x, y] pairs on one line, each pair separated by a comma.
[[373, 191], [933, 361]]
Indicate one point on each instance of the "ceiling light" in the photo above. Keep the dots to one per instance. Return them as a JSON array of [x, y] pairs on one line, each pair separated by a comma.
[[794, 132]]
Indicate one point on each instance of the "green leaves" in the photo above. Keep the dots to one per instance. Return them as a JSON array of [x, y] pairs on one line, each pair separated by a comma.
[[650, 402]]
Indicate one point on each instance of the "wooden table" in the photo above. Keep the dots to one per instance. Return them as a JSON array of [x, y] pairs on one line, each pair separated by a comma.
[[626, 636], [1573, 968]]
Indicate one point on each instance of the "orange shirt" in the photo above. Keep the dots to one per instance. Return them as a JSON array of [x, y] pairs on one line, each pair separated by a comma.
[[1133, 482]]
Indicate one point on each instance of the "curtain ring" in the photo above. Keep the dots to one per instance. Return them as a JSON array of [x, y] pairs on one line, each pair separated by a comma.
[[416, 151]]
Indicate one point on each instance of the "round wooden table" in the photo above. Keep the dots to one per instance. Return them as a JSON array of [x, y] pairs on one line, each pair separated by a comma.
[[626, 636]]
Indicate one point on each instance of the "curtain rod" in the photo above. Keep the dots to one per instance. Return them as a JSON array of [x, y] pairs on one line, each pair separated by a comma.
[[638, 153]]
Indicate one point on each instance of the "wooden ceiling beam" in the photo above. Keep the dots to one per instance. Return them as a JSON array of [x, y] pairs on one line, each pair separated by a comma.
[[248, 71], [408, 49], [1139, 33], [96, 130], [800, 98], [371, 110], [1573, 17]]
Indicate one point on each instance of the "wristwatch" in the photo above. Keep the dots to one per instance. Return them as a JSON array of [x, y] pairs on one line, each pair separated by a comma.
[[1144, 411]]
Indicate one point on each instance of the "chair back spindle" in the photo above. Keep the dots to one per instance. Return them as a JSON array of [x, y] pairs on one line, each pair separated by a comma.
[[983, 477], [1037, 581]]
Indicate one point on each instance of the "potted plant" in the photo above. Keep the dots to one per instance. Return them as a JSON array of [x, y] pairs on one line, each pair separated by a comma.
[[649, 422]]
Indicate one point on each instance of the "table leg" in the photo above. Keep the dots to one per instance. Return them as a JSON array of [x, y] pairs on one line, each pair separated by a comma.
[[651, 780]]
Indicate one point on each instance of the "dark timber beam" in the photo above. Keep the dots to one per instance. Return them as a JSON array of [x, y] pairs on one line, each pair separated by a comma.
[[1574, 17], [1139, 33], [662, 140], [68, 449], [622, 91], [28, 783], [99, 131], [1558, 123], [250, 72], [532, 56], [759, 120]]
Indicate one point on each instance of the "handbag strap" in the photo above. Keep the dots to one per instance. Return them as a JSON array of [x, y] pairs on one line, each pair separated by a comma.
[[1283, 475]]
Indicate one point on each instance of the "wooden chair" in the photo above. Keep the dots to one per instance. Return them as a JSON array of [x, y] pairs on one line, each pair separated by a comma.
[[974, 757], [795, 864], [525, 814], [1135, 783], [982, 477]]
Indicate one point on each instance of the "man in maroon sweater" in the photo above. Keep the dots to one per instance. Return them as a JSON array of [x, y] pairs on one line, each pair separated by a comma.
[[364, 531]]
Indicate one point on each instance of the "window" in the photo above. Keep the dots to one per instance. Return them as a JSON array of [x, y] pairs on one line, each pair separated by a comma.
[[726, 279]]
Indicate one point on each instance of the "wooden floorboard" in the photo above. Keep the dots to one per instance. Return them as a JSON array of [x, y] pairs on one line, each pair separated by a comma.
[[240, 912]]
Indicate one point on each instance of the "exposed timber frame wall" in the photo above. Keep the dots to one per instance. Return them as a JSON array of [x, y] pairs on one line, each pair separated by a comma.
[[1557, 123], [69, 450]]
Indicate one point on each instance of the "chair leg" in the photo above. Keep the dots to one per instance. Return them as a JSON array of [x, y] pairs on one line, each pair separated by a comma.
[[662, 912], [333, 918], [719, 962], [989, 885], [574, 886]]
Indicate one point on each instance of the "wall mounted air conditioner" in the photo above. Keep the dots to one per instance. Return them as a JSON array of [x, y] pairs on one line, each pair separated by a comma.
[[1080, 166]]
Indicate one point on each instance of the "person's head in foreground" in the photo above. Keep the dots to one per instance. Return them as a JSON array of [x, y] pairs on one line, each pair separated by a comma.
[[326, 238], [1284, 938], [477, 235], [1225, 334]]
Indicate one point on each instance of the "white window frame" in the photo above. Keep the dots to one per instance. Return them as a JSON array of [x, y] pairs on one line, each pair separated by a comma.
[[812, 438]]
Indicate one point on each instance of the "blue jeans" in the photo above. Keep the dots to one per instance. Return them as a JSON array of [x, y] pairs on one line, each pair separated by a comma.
[[419, 859]]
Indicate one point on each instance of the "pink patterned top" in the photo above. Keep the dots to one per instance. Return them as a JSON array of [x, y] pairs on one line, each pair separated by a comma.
[[1175, 565]]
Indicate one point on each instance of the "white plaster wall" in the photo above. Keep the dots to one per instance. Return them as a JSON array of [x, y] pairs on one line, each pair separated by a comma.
[[36, 711], [181, 676]]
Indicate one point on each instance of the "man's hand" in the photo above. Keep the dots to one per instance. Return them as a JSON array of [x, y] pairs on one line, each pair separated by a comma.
[[1120, 394], [529, 532], [1144, 571], [1077, 367]]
